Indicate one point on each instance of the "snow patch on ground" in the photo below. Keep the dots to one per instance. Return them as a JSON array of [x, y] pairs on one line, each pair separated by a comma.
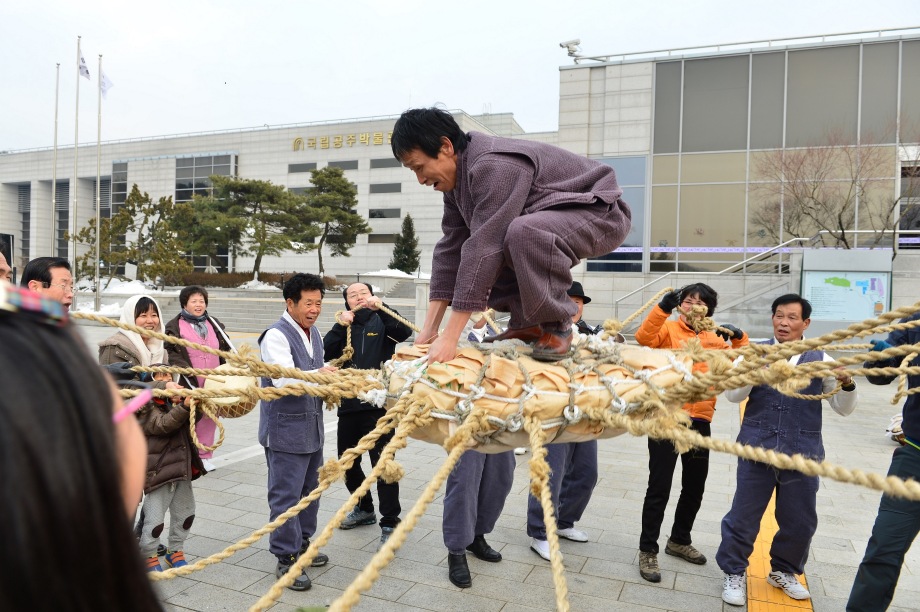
[[396, 274]]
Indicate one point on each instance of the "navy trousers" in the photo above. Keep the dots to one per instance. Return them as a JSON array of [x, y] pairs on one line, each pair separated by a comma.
[[662, 459], [574, 474], [475, 495], [352, 427], [796, 516], [895, 529], [291, 477]]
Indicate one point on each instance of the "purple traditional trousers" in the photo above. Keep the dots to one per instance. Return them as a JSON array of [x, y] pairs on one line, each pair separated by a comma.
[[540, 250], [475, 496]]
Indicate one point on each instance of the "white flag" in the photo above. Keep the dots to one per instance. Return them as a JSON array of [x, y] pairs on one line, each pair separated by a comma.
[[84, 70], [104, 83]]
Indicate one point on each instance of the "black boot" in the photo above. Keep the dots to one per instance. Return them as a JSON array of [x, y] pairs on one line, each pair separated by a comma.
[[483, 551], [458, 571]]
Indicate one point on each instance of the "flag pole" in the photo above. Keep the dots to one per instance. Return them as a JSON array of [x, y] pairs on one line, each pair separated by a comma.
[[57, 88], [73, 184], [98, 181]]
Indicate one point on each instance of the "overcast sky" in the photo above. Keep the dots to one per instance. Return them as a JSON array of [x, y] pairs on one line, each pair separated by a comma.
[[190, 66]]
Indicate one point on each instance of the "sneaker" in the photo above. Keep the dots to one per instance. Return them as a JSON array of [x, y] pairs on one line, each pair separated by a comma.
[[734, 589], [301, 583], [541, 547], [520, 450], [153, 564], [174, 559], [385, 533], [357, 518], [208, 465], [789, 584], [686, 552], [576, 535], [319, 560], [161, 550], [648, 566]]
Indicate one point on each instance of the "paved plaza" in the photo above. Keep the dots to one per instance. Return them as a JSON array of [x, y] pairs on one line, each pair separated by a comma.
[[602, 574]]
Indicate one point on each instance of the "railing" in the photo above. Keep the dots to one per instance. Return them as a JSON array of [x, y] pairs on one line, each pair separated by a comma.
[[891, 238], [754, 44]]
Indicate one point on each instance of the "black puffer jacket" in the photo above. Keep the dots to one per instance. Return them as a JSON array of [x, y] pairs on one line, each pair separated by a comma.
[[374, 336]]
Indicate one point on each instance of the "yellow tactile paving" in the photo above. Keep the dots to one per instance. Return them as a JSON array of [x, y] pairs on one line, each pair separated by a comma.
[[761, 596]]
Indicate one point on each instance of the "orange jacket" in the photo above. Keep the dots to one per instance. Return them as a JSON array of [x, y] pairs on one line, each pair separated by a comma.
[[658, 332]]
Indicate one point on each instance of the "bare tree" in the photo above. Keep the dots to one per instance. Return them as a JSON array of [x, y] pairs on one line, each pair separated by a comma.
[[837, 187]]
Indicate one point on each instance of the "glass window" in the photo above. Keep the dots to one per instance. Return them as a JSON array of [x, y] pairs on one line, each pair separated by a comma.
[[381, 238], [910, 91], [822, 97], [715, 104], [630, 170], [185, 162], [768, 91], [386, 188], [345, 165], [385, 162], [879, 93], [221, 160], [667, 107], [204, 161], [184, 173], [384, 213], [221, 170], [292, 168]]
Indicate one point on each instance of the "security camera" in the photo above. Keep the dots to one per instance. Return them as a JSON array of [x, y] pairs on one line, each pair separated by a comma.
[[571, 46]]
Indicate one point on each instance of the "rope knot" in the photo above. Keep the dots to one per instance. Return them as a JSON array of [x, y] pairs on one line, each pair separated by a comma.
[[331, 471]]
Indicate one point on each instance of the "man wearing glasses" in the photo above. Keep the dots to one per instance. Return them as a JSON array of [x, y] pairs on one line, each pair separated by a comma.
[[51, 277]]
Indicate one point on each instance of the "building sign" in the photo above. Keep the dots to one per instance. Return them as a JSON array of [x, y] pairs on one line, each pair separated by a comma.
[[339, 141]]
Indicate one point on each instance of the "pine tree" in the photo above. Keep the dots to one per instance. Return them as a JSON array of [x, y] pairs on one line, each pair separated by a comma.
[[406, 254]]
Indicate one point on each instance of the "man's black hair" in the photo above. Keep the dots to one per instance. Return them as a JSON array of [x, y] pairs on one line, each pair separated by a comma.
[[706, 294], [345, 293], [39, 269], [422, 128], [302, 282], [792, 298]]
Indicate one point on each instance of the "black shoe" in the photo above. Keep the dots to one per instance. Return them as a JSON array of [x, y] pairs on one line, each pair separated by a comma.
[[481, 549], [319, 560], [301, 583], [458, 571]]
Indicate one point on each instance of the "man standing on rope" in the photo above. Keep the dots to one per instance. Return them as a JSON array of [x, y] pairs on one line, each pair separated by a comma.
[[291, 427], [374, 335], [787, 425], [517, 216], [658, 332], [898, 520]]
